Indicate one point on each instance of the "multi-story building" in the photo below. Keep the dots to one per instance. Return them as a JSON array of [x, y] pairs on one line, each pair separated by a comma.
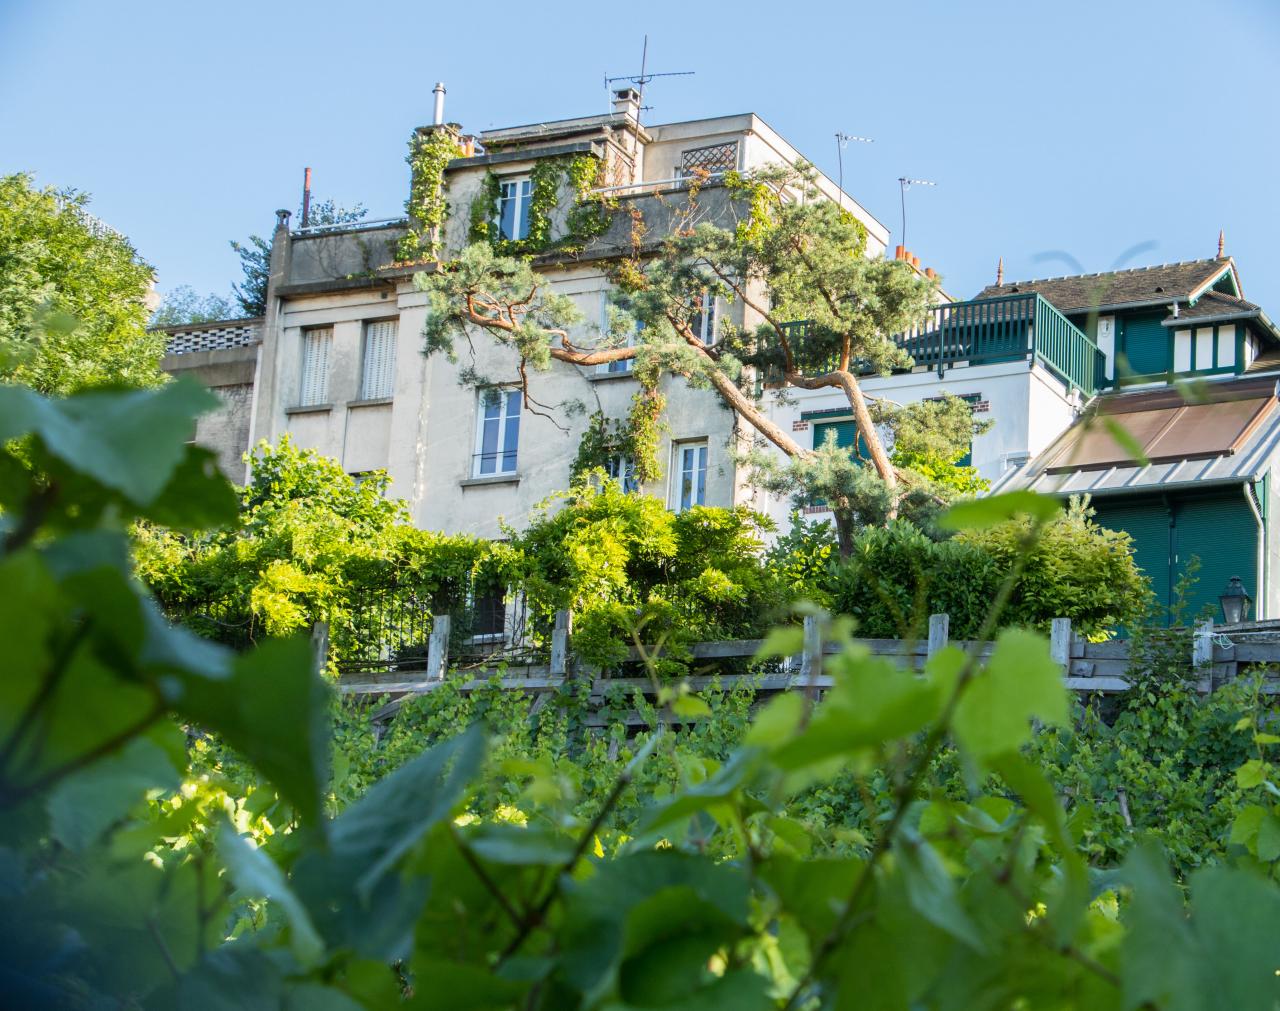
[[342, 368]]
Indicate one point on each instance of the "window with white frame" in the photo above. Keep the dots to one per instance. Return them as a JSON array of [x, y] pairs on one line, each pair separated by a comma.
[[314, 388], [690, 475], [706, 323], [622, 365], [497, 432], [623, 470], [379, 367], [513, 208], [713, 161]]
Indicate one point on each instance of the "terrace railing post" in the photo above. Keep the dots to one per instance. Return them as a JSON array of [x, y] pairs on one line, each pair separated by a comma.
[[939, 632], [560, 644], [438, 647], [1202, 655], [1060, 642]]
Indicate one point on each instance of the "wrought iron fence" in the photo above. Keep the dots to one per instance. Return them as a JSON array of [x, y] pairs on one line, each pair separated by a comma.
[[227, 619]]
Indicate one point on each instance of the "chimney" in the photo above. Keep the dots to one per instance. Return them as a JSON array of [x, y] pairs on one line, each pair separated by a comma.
[[1000, 271], [438, 118], [930, 273], [899, 252], [1222, 243], [915, 261], [626, 102]]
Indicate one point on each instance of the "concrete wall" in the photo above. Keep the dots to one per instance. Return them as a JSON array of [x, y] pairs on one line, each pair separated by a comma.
[[230, 373]]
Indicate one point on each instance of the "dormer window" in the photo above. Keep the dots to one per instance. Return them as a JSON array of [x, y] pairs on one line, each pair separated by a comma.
[[513, 208]]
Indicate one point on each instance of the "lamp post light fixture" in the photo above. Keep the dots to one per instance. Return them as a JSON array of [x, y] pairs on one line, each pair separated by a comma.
[[1235, 601]]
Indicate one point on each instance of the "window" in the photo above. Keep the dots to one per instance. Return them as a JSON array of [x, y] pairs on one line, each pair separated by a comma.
[[513, 208], [497, 432], [622, 469], [707, 322], [1205, 349], [379, 366], [715, 160], [489, 617], [606, 326], [691, 472], [315, 367]]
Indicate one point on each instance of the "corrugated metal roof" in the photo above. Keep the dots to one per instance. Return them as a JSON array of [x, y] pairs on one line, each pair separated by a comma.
[[1248, 462]]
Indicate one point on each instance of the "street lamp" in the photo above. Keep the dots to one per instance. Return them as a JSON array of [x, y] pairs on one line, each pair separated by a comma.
[[1235, 601]]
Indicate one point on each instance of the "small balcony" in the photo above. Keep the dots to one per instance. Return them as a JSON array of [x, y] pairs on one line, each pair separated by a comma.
[[991, 330]]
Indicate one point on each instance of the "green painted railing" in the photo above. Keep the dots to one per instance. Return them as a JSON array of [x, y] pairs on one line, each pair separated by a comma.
[[989, 330], [1062, 347]]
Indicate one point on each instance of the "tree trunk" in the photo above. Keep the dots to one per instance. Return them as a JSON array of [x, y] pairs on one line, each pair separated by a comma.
[[884, 466], [844, 531]]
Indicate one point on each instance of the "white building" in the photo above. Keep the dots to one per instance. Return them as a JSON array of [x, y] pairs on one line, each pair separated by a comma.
[[340, 366]]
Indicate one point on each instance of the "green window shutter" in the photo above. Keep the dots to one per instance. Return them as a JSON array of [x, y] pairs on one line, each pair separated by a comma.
[[1144, 344], [846, 435]]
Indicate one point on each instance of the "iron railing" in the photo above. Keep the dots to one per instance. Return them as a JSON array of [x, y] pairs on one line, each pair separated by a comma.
[[983, 332]]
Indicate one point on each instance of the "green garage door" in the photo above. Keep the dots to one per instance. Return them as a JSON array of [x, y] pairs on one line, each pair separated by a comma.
[[1220, 531]]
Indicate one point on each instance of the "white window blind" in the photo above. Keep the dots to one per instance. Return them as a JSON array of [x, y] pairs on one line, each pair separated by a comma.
[[379, 360], [315, 366]]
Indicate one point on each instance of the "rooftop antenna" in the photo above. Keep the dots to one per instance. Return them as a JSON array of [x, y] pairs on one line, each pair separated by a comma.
[[644, 77], [905, 184], [842, 142], [640, 80]]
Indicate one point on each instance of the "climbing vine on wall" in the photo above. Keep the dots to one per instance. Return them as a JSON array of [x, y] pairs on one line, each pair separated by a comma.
[[586, 219], [428, 205], [634, 438]]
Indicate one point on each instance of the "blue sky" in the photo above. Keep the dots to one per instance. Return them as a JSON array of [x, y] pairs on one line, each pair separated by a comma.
[[1058, 134]]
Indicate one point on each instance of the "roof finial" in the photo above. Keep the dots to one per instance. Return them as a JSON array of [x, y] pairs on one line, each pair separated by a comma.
[[1222, 243], [1000, 271]]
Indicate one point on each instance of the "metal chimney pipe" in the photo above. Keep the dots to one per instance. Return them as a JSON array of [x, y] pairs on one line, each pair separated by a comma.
[[306, 197], [438, 91]]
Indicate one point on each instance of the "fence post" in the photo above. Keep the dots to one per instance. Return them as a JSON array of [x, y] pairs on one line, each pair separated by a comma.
[[939, 632], [560, 645], [1060, 642], [1202, 652], [811, 658], [438, 647], [320, 644]]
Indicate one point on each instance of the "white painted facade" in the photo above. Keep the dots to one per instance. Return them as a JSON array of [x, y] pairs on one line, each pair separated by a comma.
[[430, 433]]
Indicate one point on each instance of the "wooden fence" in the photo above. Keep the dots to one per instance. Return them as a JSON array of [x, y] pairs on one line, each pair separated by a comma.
[[1218, 654]]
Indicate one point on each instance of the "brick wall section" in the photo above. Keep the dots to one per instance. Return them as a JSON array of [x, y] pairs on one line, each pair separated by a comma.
[[232, 333]]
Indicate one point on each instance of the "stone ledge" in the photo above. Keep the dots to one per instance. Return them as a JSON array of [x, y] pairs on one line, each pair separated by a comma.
[[372, 402], [309, 409], [475, 482]]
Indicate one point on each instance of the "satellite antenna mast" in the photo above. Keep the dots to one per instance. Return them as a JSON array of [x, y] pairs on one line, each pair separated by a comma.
[[842, 142], [640, 80], [905, 184]]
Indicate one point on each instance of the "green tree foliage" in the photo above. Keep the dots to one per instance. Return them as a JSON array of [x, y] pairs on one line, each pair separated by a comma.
[[308, 542], [896, 575], [184, 305], [625, 565], [425, 890], [72, 295]]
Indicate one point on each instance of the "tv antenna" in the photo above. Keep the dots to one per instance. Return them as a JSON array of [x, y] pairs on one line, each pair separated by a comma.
[[644, 77], [905, 184], [842, 142]]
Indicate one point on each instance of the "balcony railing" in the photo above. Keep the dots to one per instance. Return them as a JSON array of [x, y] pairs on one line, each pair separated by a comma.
[[991, 330]]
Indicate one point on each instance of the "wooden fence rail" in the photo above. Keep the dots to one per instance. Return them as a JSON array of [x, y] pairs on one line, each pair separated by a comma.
[[1087, 667]]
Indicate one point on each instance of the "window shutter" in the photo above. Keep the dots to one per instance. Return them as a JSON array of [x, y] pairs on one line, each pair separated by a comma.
[[315, 366], [379, 360]]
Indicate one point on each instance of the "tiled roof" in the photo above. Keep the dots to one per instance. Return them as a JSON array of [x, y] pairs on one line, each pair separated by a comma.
[[1082, 292], [1214, 304]]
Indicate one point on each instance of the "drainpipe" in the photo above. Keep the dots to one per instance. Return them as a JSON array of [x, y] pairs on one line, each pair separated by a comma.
[[1262, 548], [1171, 552]]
